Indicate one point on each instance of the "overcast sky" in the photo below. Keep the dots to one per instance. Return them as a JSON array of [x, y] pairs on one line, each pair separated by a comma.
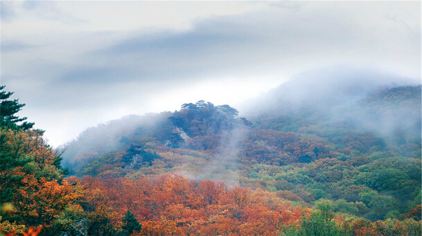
[[76, 64]]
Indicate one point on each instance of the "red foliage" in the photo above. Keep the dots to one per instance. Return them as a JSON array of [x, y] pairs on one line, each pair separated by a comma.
[[33, 231], [174, 205]]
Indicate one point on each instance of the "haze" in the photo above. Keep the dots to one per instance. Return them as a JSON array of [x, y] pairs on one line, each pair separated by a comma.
[[77, 64]]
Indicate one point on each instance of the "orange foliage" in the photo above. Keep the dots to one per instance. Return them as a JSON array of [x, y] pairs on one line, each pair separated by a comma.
[[171, 204], [32, 186], [33, 231], [47, 199]]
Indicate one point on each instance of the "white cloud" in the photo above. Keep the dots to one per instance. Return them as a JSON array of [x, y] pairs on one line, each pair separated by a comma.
[[79, 63]]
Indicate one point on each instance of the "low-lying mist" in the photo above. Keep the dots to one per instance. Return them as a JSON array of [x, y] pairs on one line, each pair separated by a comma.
[[386, 105], [225, 162], [105, 138], [329, 103], [323, 89]]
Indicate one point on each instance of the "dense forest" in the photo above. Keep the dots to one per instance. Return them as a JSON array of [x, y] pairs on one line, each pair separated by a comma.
[[291, 168]]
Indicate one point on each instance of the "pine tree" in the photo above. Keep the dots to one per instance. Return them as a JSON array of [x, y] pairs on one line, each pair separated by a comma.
[[130, 224], [10, 156], [8, 110]]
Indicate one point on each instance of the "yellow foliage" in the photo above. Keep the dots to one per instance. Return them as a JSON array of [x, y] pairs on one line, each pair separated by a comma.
[[7, 227], [8, 208]]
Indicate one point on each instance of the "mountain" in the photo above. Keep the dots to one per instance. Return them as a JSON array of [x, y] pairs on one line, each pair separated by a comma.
[[332, 105], [352, 140], [198, 126], [324, 89], [205, 170]]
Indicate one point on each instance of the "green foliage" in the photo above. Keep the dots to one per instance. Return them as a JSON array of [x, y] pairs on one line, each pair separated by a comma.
[[33, 191], [393, 227], [10, 159], [70, 222], [304, 156], [8, 110], [130, 224], [101, 225], [379, 186], [137, 156], [320, 223], [203, 118], [340, 205], [383, 179], [379, 204]]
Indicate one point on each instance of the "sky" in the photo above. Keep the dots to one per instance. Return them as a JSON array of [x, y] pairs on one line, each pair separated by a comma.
[[80, 63]]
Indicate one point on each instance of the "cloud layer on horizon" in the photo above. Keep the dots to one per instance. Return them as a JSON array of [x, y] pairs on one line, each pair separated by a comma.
[[79, 64]]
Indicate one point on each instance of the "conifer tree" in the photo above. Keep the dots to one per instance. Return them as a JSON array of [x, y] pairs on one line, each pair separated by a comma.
[[130, 224], [8, 110]]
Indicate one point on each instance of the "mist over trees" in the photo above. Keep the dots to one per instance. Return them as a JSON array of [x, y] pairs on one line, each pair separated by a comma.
[[333, 157], [156, 118], [317, 137]]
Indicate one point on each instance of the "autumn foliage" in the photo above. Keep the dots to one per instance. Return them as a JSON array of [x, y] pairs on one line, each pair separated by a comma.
[[171, 204], [174, 205], [37, 199]]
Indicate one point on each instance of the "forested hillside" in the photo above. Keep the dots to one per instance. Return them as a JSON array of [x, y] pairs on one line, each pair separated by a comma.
[[355, 148], [351, 167]]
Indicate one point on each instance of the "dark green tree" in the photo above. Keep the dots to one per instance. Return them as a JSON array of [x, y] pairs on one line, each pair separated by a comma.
[[320, 223], [8, 110], [100, 225], [10, 159], [130, 224], [13, 156]]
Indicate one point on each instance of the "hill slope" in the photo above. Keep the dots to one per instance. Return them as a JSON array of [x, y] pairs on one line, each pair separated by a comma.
[[356, 144]]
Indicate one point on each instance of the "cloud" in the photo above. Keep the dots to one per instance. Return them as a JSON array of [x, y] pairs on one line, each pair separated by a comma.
[[99, 61], [11, 46], [6, 10], [256, 42]]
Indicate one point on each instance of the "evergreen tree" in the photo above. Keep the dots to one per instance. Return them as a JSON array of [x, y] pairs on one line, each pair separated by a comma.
[[8, 110], [12, 148], [130, 224], [10, 159]]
